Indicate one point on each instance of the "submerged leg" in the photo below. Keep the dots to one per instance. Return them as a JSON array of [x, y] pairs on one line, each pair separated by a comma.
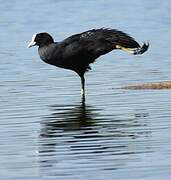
[[82, 86], [81, 75]]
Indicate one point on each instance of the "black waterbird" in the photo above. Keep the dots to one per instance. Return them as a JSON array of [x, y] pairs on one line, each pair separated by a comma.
[[78, 51]]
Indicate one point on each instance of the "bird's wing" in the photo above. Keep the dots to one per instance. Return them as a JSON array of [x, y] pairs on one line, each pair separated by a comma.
[[97, 42], [105, 40], [92, 42]]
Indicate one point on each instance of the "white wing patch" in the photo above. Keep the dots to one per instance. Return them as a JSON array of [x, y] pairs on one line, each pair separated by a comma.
[[87, 34]]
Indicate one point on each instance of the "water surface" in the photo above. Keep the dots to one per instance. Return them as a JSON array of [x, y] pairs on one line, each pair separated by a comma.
[[47, 132]]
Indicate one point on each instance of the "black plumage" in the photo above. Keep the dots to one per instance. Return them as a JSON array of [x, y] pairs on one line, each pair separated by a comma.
[[78, 51]]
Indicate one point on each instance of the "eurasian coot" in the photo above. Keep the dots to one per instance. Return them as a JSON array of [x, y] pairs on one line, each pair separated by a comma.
[[78, 51]]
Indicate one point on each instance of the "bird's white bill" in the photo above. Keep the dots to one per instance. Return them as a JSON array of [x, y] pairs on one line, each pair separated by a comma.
[[32, 42]]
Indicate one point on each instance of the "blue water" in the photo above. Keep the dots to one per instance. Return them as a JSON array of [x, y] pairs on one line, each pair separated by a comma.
[[47, 132]]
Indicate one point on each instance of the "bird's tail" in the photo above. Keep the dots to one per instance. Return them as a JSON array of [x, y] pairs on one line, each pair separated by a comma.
[[134, 51]]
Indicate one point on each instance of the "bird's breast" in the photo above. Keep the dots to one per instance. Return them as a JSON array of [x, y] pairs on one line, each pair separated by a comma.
[[49, 55]]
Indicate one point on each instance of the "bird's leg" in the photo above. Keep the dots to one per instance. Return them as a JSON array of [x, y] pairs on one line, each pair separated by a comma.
[[82, 86]]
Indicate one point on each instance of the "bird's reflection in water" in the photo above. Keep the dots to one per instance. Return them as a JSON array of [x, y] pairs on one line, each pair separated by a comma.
[[68, 118], [63, 127], [83, 129], [82, 134]]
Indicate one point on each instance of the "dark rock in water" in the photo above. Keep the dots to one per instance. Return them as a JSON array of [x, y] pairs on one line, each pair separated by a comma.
[[156, 85]]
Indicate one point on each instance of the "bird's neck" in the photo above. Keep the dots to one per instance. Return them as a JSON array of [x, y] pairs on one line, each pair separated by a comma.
[[47, 52]]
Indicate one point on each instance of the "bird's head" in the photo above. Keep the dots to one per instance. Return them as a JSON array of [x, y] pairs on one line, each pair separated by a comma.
[[40, 39]]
